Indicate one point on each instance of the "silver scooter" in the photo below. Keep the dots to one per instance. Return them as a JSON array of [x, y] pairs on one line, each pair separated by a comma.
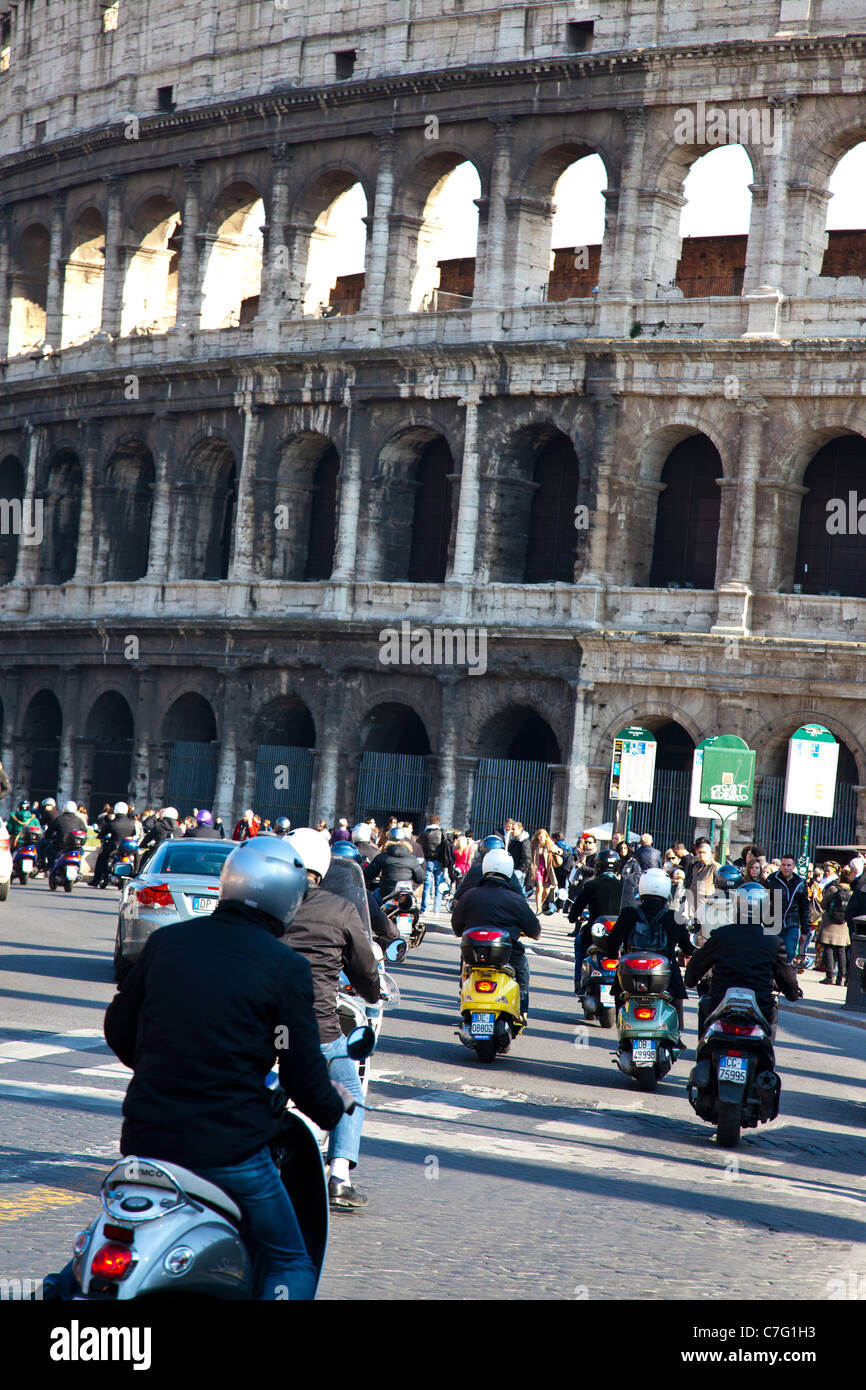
[[165, 1230]]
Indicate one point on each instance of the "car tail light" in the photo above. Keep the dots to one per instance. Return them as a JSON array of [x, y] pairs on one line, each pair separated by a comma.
[[112, 1261], [739, 1030], [485, 986], [608, 965], [645, 962], [160, 896], [644, 1013]]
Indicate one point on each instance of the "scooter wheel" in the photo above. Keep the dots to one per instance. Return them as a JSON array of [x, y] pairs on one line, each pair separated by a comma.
[[646, 1078], [485, 1050], [607, 1016], [51, 884], [4, 891], [67, 887], [728, 1125]]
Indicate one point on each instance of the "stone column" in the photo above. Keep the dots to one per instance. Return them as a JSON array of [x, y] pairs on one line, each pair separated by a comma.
[[606, 420], [56, 265], [775, 228], [11, 740], [115, 257], [622, 271], [753, 422], [349, 503], [490, 285], [27, 567], [85, 549], [377, 261], [577, 771], [188, 287], [445, 791], [147, 713], [160, 515], [224, 793], [463, 565], [241, 566], [325, 791], [70, 704], [275, 254], [5, 277]]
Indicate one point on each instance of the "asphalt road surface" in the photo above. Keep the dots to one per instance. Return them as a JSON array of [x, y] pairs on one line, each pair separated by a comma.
[[544, 1176]]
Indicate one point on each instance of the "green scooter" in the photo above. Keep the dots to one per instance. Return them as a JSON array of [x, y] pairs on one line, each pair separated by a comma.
[[649, 1029]]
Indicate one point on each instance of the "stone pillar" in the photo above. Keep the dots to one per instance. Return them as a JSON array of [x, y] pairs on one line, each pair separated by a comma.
[[376, 278], [27, 567], [622, 269], [325, 793], [147, 713], [275, 254], [70, 703], [753, 421], [490, 286], [188, 287], [11, 741], [56, 264], [349, 503], [463, 565], [445, 791], [775, 228], [296, 238], [577, 772], [241, 566], [606, 420], [5, 277], [86, 544], [224, 793], [115, 257], [160, 515]]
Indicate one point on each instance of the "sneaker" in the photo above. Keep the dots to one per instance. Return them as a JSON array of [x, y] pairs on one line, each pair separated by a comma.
[[342, 1196]]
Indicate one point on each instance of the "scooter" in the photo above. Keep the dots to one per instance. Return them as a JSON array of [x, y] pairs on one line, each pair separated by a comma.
[[121, 864], [24, 859], [355, 1012], [402, 908], [734, 1083], [489, 993], [66, 869], [649, 1029], [164, 1230], [596, 981]]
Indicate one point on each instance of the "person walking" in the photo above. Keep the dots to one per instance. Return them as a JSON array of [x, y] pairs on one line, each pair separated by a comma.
[[463, 851], [794, 904], [833, 934], [545, 859], [520, 849], [701, 884], [438, 859]]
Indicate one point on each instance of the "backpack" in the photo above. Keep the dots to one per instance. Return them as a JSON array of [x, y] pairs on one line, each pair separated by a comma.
[[648, 934], [433, 842], [840, 903]]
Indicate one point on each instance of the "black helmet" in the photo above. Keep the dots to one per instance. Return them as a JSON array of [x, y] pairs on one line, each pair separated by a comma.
[[607, 861], [24, 806], [282, 825], [728, 877], [491, 842]]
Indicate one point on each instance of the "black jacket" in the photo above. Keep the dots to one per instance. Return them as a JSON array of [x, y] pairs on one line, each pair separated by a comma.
[[601, 895], [197, 1019], [155, 831], [117, 829], [384, 928], [474, 875], [742, 955], [396, 864], [521, 852], [677, 936], [203, 832], [493, 904], [57, 834], [327, 930], [795, 900], [436, 846], [856, 908]]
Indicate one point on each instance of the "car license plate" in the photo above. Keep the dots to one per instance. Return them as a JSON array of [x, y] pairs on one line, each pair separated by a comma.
[[27, 865], [643, 1052], [71, 871], [203, 904], [404, 923], [482, 1025], [733, 1069], [606, 994]]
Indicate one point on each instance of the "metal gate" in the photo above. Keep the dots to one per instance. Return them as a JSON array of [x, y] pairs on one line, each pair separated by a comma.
[[392, 784], [284, 783], [192, 776], [505, 788], [110, 778], [778, 834], [44, 766], [666, 817]]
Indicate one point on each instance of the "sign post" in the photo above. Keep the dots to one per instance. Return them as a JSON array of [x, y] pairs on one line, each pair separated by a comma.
[[727, 781], [810, 778], [698, 810], [632, 771]]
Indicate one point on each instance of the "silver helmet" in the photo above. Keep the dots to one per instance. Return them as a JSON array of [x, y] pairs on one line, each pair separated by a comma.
[[267, 874]]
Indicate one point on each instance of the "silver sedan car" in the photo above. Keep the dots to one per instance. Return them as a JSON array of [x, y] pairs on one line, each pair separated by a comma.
[[177, 882]]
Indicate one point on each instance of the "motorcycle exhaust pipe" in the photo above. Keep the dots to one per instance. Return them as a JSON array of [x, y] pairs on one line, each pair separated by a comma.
[[625, 1064]]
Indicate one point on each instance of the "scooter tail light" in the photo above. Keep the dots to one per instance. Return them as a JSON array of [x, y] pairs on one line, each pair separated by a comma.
[[112, 1261], [609, 965], [644, 1013], [485, 986], [740, 1030]]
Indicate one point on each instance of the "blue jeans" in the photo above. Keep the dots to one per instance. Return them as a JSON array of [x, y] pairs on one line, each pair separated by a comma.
[[345, 1140], [434, 881], [257, 1188], [791, 938]]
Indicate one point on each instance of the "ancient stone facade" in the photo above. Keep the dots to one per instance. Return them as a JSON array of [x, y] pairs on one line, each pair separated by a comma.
[[241, 489]]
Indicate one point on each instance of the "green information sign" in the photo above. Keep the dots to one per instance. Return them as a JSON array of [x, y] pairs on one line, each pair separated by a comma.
[[727, 774]]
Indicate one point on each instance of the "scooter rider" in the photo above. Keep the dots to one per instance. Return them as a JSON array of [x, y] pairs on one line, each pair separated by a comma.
[[204, 828], [161, 827], [396, 864], [600, 897], [197, 1019], [475, 872], [121, 826], [494, 904], [21, 820], [384, 929], [328, 931], [362, 839], [58, 836], [743, 952], [282, 826], [655, 916]]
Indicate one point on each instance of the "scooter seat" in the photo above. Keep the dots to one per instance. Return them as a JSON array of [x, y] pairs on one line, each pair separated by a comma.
[[192, 1184]]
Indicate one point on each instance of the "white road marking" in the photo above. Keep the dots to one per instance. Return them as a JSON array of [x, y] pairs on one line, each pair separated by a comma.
[[82, 1040], [28, 1088], [113, 1069]]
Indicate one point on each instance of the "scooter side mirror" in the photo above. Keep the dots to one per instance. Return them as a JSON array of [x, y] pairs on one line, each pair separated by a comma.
[[360, 1043], [396, 950]]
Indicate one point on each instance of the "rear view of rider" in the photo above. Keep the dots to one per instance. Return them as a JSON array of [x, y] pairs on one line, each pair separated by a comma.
[[204, 828], [362, 839], [396, 864], [600, 897], [121, 826], [59, 836], [21, 821], [742, 953], [653, 926], [475, 872], [199, 1019], [161, 827], [494, 904]]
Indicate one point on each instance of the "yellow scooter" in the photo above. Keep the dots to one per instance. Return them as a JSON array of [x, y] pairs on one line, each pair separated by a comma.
[[489, 993]]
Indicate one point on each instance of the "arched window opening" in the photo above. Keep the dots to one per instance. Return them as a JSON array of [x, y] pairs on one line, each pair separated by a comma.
[[431, 520], [714, 224], [553, 538], [11, 494], [687, 517], [335, 265], [831, 551], [41, 731], [108, 736], [29, 291], [233, 271], [150, 286], [447, 242], [204, 504], [123, 509], [578, 229], [394, 728], [846, 217], [323, 517], [84, 280], [62, 510]]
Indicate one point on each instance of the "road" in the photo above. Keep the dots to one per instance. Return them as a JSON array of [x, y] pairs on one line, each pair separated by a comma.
[[545, 1176]]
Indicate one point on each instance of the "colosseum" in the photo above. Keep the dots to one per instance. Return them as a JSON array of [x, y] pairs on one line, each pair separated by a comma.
[[296, 359]]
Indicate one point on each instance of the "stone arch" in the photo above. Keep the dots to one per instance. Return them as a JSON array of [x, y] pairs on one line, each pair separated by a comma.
[[536, 482], [714, 241], [297, 526], [550, 261], [40, 739], [58, 555], [84, 278], [151, 280], [390, 727], [204, 500], [109, 732], [518, 733], [830, 251], [190, 719], [122, 509], [331, 241], [831, 550], [429, 269], [190, 732], [645, 462], [654, 715], [286, 721], [688, 514], [232, 278], [412, 486], [12, 492], [28, 294], [779, 833], [771, 744]]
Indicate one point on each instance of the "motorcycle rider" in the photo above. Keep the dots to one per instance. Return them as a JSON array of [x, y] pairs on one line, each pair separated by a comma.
[[197, 1019], [384, 929], [58, 836], [653, 909], [475, 872], [161, 827], [362, 839], [204, 828], [631, 870], [494, 904], [600, 896], [396, 864], [328, 931], [22, 819], [741, 951], [120, 826]]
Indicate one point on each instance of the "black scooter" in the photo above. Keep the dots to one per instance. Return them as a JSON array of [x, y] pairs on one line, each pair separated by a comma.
[[733, 1084]]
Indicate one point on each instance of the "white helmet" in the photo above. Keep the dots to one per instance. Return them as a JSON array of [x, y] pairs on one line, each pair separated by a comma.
[[361, 833], [71, 806], [497, 861], [654, 883], [170, 813], [312, 848], [49, 801], [121, 809]]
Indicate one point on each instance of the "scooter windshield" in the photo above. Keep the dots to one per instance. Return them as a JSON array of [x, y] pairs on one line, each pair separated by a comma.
[[345, 878]]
